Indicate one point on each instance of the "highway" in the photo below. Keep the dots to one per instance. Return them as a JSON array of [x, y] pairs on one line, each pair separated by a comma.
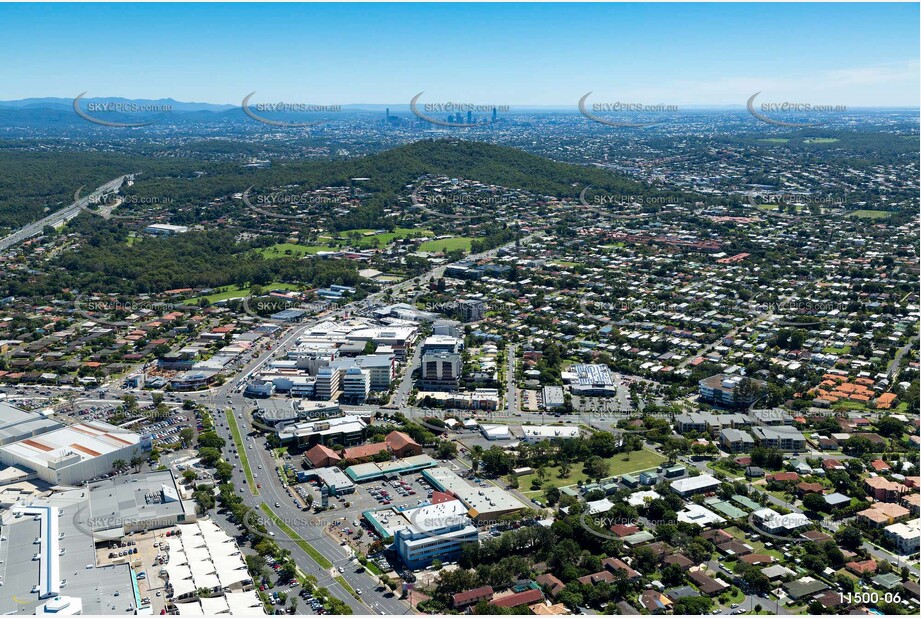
[[59, 217]]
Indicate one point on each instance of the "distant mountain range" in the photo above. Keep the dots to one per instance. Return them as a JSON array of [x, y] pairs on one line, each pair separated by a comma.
[[60, 103], [58, 112]]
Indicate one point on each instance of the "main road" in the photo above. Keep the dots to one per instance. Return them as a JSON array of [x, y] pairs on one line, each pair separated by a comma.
[[59, 217]]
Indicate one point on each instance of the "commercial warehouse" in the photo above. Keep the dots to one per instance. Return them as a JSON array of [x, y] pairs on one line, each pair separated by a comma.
[[75, 453]]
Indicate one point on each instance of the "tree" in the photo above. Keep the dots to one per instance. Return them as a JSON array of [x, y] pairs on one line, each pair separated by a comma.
[[596, 468], [565, 468], [890, 427], [672, 575], [814, 502], [136, 462], [209, 455], [119, 465], [603, 444], [553, 495], [186, 436], [211, 439], [476, 454], [857, 446], [223, 471], [446, 449], [130, 402], [204, 498]]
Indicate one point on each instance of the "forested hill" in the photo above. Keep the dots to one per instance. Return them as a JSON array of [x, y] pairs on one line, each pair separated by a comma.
[[488, 163], [36, 183], [388, 173]]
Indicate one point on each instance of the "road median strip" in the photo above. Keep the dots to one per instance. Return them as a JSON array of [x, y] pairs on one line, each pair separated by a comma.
[[294, 536], [241, 451]]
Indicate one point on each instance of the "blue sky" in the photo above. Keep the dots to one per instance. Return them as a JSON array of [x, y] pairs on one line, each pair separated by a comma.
[[514, 54]]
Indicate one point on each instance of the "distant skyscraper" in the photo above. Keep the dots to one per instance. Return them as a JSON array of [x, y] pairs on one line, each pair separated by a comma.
[[469, 117], [494, 114]]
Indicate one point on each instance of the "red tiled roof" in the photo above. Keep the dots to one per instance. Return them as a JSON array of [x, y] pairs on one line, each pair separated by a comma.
[[364, 450], [520, 598], [467, 596], [398, 440]]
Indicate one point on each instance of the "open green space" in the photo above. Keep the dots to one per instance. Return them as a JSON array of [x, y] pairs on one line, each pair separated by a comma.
[[552, 480], [870, 214], [241, 450], [834, 350], [775, 140], [637, 461], [850, 405], [447, 244], [231, 291], [287, 249], [299, 541], [622, 463], [367, 239]]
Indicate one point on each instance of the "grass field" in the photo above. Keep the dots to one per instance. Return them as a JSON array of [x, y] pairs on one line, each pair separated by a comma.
[[870, 214], [850, 405], [553, 480], [287, 249], [382, 240], [241, 450], [637, 461], [775, 140], [619, 464], [232, 291], [446, 244], [298, 540], [833, 350]]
